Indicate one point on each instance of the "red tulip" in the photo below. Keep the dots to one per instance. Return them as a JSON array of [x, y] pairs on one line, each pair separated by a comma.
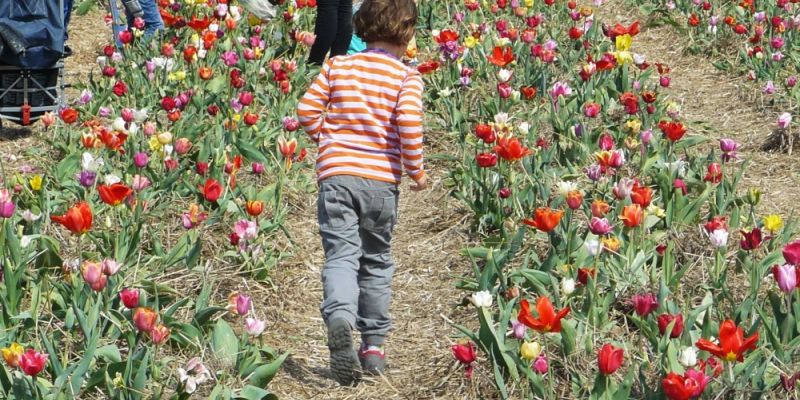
[[77, 220], [501, 56], [751, 240], [510, 149], [548, 321], [732, 343], [486, 160], [641, 195], [663, 323], [465, 354], [690, 385], [115, 194], [673, 130], [644, 304], [129, 297], [32, 362], [69, 115], [791, 253], [120, 88], [212, 190], [609, 359]]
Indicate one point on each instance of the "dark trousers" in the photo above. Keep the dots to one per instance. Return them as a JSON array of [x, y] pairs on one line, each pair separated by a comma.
[[334, 29]]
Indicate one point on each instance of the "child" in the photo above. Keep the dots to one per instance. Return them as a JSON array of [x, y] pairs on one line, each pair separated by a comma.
[[365, 112], [333, 29]]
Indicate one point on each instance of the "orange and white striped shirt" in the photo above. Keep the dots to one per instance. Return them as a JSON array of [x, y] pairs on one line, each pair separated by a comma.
[[365, 113]]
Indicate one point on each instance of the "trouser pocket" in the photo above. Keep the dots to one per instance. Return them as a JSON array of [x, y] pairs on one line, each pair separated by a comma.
[[380, 214]]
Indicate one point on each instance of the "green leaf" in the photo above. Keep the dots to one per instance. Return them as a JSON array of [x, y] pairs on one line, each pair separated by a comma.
[[193, 256], [224, 343], [110, 353], [264, 374], [251, 392]]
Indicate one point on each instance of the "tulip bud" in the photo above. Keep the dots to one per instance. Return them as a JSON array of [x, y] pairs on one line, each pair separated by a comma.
[[530, 350], [140, 160], [504, 193], [183, 145], [540, 365], [753, 196], [129, 297]]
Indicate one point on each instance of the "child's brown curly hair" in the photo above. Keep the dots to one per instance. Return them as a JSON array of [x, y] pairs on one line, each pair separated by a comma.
[[391, 21]]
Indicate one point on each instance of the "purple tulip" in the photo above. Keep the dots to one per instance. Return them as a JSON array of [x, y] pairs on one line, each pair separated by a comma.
[[87, 178]]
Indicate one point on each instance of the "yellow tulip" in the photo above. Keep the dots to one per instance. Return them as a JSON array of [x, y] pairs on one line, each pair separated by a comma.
[[530, 350], [12, 354], [470, 42], [36, 183], [773, 223]]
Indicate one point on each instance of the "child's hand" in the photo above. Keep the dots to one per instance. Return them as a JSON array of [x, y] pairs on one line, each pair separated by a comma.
[[420, 184]]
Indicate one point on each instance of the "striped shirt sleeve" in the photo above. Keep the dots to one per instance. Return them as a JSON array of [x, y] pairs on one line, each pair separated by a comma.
[[312, 106], [409, 124]]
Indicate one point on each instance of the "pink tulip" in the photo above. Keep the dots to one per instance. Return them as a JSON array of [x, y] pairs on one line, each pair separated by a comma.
[[140, 160], [6, 205], [246, 98], [591, 110], [254, 327], [290, 124], [127, 115], [110, 267], [239, 303], [92, 273], [600, 226], [32, 362], [786, 277], [183, 145], [540, 365], [140, 183], [784, 120]]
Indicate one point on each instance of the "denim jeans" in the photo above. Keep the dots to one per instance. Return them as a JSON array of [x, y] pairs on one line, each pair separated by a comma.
[[152, 17], [356, 219], [67, 14]]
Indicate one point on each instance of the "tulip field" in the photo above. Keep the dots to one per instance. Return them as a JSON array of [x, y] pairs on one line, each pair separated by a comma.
[[612, 212]]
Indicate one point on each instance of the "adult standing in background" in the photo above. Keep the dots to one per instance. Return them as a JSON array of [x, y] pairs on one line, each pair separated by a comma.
[[333, 29]]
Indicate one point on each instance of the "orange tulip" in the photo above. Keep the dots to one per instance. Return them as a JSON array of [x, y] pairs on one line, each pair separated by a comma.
[[600, 208], [144, 318], [548, 321], [159, 334], [115, 194], [77, 220], [205, 73], [732, 343], [544, 219], [255, 207], [501, 56], [574, 199], [632, 215], [641, 195]]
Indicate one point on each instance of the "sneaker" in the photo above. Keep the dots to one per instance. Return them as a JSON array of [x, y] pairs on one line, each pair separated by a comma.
[[344, 360], [373, 359]]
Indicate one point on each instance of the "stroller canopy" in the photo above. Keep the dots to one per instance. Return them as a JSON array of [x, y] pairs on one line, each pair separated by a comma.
[[32, 33]]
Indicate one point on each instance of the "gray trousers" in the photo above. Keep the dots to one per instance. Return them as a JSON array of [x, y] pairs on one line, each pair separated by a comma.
[[356, 219]]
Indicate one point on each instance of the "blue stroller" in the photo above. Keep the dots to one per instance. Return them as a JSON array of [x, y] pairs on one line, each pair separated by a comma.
[[32, 35]]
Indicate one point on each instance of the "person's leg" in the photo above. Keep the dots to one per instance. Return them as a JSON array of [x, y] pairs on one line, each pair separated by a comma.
[[67, 15], [338, 226], [152, 17], [378, 216], [344, 30], [325, 29]]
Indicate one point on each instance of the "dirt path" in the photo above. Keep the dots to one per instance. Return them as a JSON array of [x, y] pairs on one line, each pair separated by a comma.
[[426, 249], [719, 105]]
